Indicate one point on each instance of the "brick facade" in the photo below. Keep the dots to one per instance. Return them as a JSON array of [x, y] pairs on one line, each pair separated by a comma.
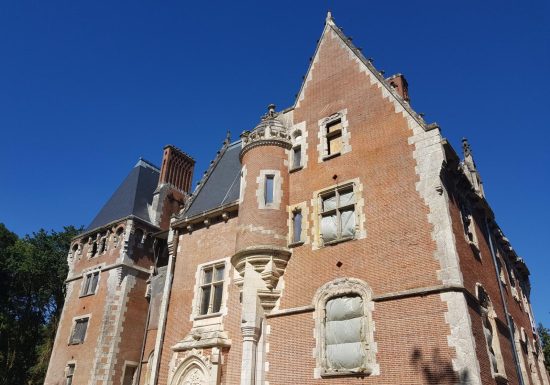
[[389, 217]]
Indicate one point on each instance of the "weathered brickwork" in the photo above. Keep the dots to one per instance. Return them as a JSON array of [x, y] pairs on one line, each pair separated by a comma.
[[340, 241]]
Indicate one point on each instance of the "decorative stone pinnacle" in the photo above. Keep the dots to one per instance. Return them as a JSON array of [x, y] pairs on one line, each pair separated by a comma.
[[329, 16], [466, 147], [271, 110]]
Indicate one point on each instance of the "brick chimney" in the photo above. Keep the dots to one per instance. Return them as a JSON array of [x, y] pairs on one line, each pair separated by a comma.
[[399, 83], [174, 186], [177, 169]]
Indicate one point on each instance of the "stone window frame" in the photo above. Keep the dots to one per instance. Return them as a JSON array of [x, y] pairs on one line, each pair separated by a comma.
[[304, 237], [206, 319], [85, 277], [132, 364], [69, 375], [277, 189], [360, 218], [298, 136], [322, 146], [488, 315], [470, 232], [334, 289], [70, 340]]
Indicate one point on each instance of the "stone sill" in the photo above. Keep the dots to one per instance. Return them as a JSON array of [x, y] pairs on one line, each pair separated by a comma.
[[328, 157], [337, 241], [295, 244], [206, 316], [295, 169]]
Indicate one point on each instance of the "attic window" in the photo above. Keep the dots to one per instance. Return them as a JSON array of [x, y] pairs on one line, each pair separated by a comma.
[[334, 138]]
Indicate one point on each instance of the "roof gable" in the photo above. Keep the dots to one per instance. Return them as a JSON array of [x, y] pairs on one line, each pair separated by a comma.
[[331, 30]]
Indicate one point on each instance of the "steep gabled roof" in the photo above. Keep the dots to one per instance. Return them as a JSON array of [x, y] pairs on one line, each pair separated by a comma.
[[132, 197], [330, 26], [221, 184]]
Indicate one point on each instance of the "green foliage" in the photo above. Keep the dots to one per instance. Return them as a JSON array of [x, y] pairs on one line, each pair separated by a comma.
[[32, 274], [544, 334]]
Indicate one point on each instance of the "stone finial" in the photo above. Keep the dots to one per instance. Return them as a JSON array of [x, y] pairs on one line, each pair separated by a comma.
[[329, 16], [466, 147], [271, 110]]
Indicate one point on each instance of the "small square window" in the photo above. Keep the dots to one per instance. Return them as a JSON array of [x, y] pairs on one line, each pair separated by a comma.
[[268, 193], [211, 289], [79, 331]]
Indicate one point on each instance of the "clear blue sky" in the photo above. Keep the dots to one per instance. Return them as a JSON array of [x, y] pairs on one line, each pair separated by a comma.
[[88, 87]]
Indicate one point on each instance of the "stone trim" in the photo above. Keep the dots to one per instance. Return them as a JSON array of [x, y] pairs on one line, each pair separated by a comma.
[[206, 368], [304, 235], [417, 292], [334, 289], [73, 325], [104, 267], [127, 364], [302, 142], [277, 189], [360, 217], [322, 145], [243, 183]]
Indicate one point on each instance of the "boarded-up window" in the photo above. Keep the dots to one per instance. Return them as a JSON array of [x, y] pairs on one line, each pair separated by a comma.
[[297, 226], [344, 347], [90, 284], [334, 137], [79, 331], [297, 157], [338, 214], [268, 193], [70, 374], [212, 289]]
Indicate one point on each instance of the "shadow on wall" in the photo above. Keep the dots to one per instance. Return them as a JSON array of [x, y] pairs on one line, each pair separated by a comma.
[[437, 369]]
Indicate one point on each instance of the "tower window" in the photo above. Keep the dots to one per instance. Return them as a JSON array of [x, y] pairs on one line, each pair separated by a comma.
[[90, 284], [268, 191], [79, 331]]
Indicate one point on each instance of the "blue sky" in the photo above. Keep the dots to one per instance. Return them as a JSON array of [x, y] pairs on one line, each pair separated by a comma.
[[88, 87]]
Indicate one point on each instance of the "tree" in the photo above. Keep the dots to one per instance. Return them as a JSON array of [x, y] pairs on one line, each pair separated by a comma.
[[544, 334], [32, 274]]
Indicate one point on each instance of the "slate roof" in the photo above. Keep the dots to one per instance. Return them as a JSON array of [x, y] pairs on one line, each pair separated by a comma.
[[222, 183], [132, 197]]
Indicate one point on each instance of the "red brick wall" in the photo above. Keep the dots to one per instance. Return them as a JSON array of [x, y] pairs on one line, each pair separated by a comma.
[[201, 246], [482, 270], [398, 251]]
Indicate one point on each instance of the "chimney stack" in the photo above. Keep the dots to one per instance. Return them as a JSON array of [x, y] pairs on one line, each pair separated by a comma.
[[177, 169], [399, 83]]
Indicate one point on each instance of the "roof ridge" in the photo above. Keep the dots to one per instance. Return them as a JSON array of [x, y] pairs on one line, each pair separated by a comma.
[[147, 164]]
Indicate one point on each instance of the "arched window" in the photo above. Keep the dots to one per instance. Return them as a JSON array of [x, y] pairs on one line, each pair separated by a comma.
[[344, 329]]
